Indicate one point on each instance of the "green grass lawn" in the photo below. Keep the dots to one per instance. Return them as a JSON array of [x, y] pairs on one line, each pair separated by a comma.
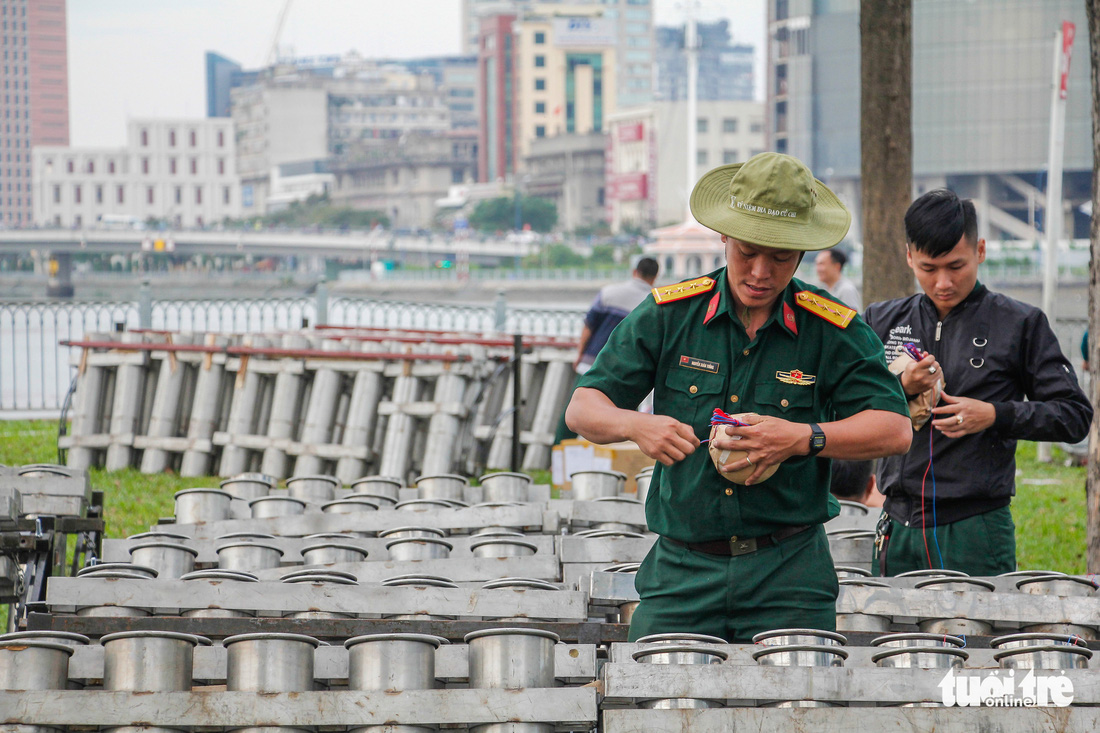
[[1050, 517]]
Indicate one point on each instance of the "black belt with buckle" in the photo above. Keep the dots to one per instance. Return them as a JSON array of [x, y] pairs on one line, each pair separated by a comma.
[[735, 546]]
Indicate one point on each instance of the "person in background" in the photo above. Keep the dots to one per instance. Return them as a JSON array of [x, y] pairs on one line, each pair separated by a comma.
[[855, 481], [1005, 379], [829, 266], [612, 304], [806, 377]]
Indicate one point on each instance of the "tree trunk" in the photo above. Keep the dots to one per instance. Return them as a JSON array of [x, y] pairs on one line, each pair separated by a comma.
[[1092, 490], [886, 144]]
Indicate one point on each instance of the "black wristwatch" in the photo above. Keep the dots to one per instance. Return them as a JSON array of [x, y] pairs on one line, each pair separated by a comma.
[[817, 439]]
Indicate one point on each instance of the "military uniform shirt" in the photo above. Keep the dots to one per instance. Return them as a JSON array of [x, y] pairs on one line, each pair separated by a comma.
[[696, 355]]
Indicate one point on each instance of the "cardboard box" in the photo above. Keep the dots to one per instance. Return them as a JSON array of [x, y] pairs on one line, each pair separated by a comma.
[[571, 456]]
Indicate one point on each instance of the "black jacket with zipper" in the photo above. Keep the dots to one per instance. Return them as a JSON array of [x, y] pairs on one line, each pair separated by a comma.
[[991, 348]]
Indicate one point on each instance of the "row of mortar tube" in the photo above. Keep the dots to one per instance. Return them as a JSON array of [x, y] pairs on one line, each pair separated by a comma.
[[272, 352], [353, 333]]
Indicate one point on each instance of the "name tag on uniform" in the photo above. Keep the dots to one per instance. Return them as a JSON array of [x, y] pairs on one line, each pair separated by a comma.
[[701, 364]]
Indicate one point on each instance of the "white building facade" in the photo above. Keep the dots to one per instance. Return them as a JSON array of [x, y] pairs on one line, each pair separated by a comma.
[[647, 153], [181, 171]]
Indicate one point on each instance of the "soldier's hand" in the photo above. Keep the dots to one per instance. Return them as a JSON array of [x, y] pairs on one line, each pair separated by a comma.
[[664, 438], [767, 440], [921, 375]]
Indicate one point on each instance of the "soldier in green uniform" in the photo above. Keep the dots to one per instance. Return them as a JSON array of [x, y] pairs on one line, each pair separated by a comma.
[[733, 560]]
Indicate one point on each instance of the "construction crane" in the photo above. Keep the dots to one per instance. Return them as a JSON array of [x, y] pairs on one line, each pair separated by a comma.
[[273, 51]]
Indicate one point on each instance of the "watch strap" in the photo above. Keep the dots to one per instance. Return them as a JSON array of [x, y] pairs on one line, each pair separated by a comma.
[[817, 439]]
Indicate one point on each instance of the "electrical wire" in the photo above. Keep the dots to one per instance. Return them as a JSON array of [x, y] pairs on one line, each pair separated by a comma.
[[935, 524], [923, 520]]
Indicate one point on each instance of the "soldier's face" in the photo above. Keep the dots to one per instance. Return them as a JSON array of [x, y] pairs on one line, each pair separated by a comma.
[[758, 275], [949, 278]]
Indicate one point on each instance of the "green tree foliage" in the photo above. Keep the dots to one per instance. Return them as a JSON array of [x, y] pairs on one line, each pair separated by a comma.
[[317, 211], [499, 214], [555, 255]]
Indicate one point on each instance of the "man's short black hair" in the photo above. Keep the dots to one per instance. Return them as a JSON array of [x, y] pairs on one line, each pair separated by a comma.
[[647, 267], [849, 479], [840, 257], [936, 222]]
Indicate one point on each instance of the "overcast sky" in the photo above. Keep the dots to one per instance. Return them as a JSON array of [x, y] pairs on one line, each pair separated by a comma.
[[144, 58]]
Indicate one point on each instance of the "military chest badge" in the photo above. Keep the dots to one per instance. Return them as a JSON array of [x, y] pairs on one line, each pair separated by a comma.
[[796, 376]]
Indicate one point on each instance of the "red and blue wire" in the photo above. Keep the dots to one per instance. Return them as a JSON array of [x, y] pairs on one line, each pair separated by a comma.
[[914, 351], [721, 418]]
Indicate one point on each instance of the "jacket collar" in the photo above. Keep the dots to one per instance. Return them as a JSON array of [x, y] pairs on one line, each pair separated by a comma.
[[974, 297]]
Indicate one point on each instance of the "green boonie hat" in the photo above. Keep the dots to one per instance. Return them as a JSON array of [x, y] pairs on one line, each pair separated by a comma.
[[770, 200]]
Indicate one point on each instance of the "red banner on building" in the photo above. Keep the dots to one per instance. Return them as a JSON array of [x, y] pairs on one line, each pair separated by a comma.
[[631, 133], [631, 186]]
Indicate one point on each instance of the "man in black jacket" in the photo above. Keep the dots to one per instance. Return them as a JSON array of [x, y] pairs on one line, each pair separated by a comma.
[[948, 497]]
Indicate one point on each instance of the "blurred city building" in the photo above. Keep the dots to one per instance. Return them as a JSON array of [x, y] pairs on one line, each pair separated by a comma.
[[288, 117], [180, 171], [982, 73], [569, 170], [497, 103], [403, 177], [455, 75], [630, 24], [35, 78], [647, 174], [565, 73], [725, 67]]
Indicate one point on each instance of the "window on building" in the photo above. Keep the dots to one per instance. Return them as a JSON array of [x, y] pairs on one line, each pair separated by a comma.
[[540, 108], [172, 166], [729, 156], [99, 194], [221, 166], [221, 138], [145, 166], [149, 197], [194, 138], [540, 37], [540, 61], [540, 130], [56, 194], [110, 166], [91, 166], [540, 85], [756, 127], [70, 166], [701, 124], [171, 138], [178, 193], [77, 194], [700, 157], [194, 166], [226, 194], [198, 194], [729, 124], [144, 138], [120, 194]]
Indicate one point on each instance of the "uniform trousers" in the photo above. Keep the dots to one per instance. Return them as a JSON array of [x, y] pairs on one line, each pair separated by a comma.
[[791, 584]]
